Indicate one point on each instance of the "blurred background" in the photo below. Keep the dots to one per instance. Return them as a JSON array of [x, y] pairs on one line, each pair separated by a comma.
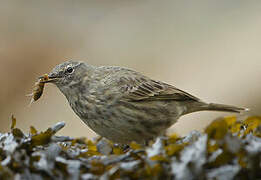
[[210, 49]]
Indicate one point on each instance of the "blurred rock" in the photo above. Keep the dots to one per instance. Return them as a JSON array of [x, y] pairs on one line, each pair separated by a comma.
[[217, 153]]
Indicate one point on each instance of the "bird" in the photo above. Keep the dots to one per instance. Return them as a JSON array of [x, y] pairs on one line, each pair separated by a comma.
[[124, 105]]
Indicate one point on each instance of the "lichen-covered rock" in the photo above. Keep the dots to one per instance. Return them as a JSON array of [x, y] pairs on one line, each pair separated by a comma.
[[227, 149]]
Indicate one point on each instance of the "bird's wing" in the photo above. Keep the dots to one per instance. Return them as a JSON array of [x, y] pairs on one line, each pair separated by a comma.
[[138, 88]]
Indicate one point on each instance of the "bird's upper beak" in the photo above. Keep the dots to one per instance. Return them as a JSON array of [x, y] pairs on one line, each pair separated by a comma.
[[51, 77]]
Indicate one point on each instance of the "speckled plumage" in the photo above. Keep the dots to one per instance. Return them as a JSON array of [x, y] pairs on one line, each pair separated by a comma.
[[124, 105]]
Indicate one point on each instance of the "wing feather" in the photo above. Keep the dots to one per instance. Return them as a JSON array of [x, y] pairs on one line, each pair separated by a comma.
[[141, 88]]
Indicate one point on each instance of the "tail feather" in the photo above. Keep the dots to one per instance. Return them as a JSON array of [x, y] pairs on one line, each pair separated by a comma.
[[223, 107], [201, 106]]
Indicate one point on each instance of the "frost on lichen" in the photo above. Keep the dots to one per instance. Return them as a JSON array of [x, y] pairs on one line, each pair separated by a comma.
[[227, 149]]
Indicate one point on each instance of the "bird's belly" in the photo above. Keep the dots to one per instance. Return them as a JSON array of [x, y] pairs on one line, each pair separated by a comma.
[[125, 122]]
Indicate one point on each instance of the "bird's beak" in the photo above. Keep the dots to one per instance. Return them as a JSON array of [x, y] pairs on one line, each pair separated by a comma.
[[47, 78]]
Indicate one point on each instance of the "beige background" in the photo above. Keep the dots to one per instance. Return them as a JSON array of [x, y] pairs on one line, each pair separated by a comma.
[[208, 48]]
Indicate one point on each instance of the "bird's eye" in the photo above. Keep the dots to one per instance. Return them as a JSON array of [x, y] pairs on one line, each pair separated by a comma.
[[69, 70]]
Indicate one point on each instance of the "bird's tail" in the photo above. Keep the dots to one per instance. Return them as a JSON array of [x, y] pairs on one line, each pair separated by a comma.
[[214, 107], [223, 107]]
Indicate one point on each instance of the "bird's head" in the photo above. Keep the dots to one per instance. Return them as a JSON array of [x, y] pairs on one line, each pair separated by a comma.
[[67, 74]]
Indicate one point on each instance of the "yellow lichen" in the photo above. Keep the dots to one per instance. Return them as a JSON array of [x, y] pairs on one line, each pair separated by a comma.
[[217, 129], [173, 149], [33, 131], [135, 146], [13, 122]]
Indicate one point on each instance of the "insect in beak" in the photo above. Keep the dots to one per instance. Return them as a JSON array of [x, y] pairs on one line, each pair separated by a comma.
[[48, 78]]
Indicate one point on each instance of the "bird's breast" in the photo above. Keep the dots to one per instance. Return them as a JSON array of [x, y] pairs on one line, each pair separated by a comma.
[[92, 106]]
